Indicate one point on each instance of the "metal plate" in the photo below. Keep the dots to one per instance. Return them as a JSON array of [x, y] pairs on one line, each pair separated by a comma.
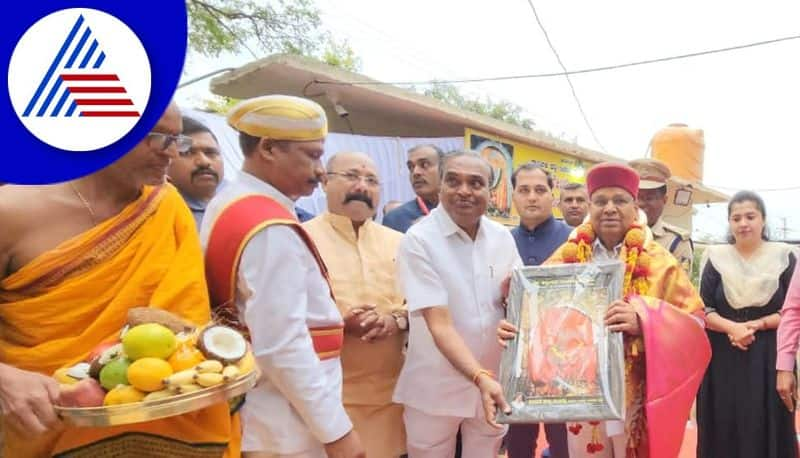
[[153, 410]]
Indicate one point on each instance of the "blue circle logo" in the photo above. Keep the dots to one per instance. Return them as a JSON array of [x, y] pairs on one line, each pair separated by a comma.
[[86, 84]]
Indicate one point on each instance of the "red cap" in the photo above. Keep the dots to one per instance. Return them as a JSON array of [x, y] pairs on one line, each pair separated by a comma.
[[608, 174]]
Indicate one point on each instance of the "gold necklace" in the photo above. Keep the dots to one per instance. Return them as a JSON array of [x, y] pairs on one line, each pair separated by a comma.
[[85, 202]]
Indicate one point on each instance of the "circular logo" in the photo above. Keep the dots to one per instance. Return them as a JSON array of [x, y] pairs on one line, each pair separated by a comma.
[[85, 85], [79, 79]]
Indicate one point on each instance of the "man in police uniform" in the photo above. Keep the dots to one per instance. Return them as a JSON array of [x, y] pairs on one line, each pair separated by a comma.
[[652, 199]]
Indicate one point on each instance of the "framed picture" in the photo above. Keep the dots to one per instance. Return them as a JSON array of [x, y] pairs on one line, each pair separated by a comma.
[[564, 364]]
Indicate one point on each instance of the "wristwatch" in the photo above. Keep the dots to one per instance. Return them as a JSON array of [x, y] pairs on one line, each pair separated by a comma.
[[401, 320]]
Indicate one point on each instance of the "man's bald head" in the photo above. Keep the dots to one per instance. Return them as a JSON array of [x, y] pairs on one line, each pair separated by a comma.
[[346, 156]]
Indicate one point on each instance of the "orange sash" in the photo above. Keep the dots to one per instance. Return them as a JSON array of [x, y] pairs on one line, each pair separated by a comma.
[[232, 230], [58, 307]]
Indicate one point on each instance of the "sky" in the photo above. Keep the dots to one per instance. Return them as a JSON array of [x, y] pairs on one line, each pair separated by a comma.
[[745, 101]]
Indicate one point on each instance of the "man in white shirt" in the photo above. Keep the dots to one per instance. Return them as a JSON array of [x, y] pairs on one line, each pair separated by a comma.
[[266, 277], [451, 268]]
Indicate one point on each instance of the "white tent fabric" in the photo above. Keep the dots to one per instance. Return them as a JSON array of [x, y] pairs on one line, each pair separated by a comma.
[[389, 153]]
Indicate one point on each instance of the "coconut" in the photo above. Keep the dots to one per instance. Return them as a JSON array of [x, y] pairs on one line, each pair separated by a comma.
[[143, 315], [104, 358], [222, 343], [79, 371]]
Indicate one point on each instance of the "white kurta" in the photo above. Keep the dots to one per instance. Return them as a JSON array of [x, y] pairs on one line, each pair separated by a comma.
[[439, 265], [297, 405]]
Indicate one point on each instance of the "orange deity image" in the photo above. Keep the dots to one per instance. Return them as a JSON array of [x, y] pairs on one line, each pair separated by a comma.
[[562, 355], [500, 190]]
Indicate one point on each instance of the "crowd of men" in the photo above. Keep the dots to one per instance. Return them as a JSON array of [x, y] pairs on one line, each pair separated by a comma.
[[375, 340]]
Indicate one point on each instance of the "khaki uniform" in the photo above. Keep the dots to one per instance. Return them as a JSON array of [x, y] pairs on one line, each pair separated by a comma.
[[677, 241]]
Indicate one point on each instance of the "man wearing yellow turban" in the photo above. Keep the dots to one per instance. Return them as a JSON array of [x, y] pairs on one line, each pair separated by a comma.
[[266, 277]]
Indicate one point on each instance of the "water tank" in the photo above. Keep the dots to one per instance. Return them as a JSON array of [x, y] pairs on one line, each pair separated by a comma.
[[681, 148]]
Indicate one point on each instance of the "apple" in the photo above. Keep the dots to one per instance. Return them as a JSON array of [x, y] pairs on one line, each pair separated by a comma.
[[86, 393]]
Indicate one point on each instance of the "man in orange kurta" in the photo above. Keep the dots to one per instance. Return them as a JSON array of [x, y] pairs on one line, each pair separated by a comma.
[[360, 257], [74, 258]]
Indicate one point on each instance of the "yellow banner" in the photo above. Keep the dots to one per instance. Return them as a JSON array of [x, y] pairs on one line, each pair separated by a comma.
[[506, 155]]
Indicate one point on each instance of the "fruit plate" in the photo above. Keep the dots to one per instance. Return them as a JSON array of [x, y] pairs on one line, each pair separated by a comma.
[[153, 410]]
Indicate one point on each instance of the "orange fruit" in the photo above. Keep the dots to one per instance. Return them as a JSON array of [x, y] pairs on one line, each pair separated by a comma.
[[185, 357], [147, 374]]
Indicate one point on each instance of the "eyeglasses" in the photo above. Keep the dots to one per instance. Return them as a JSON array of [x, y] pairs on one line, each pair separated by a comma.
[[354, 178], [616, 201], [161, 142]]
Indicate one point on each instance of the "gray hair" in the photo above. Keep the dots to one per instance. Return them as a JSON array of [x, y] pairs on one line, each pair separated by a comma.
[[439, 152], [572, 186]]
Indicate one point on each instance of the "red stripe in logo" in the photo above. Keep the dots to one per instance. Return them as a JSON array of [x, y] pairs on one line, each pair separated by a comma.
[[97, 77]]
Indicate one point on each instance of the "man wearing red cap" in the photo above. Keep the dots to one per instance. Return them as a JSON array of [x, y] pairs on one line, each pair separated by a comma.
[[666, 348]]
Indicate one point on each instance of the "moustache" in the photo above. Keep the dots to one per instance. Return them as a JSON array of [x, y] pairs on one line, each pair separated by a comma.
[[359, 197], [205, 170]]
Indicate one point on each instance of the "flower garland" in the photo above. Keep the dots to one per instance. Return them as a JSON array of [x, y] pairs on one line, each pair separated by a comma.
[[578, 249]]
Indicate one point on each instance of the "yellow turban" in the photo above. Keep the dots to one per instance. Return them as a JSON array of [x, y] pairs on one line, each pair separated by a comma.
[[280, 117]]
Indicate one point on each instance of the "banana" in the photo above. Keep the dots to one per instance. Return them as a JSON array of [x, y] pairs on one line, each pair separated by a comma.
[[246, 364], [188, 388], [230, 372], [156, 395], [209, 366], [174, 389], [208, 379], [180, 378]]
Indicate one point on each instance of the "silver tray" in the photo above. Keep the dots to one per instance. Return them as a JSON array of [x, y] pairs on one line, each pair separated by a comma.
[[153, 410]]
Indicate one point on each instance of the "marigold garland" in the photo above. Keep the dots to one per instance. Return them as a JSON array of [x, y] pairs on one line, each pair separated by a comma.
[[578, 249]]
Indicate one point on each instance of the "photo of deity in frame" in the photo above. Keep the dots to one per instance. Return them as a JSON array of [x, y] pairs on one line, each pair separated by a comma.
[[563, 365]]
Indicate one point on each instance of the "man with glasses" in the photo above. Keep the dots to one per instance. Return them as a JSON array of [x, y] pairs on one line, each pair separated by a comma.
[[74, 258], [360, 255], [652, 199], [660, 317], [198, 171], [266, 277]]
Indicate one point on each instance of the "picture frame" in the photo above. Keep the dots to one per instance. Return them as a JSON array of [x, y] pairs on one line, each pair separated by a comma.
[[564, 364]]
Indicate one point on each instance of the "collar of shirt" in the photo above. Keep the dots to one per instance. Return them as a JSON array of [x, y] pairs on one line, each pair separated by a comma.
[[263, 187], [600, 252], [545, 227], [194, 204], [449, 227], [658, 228], [344, 225]]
